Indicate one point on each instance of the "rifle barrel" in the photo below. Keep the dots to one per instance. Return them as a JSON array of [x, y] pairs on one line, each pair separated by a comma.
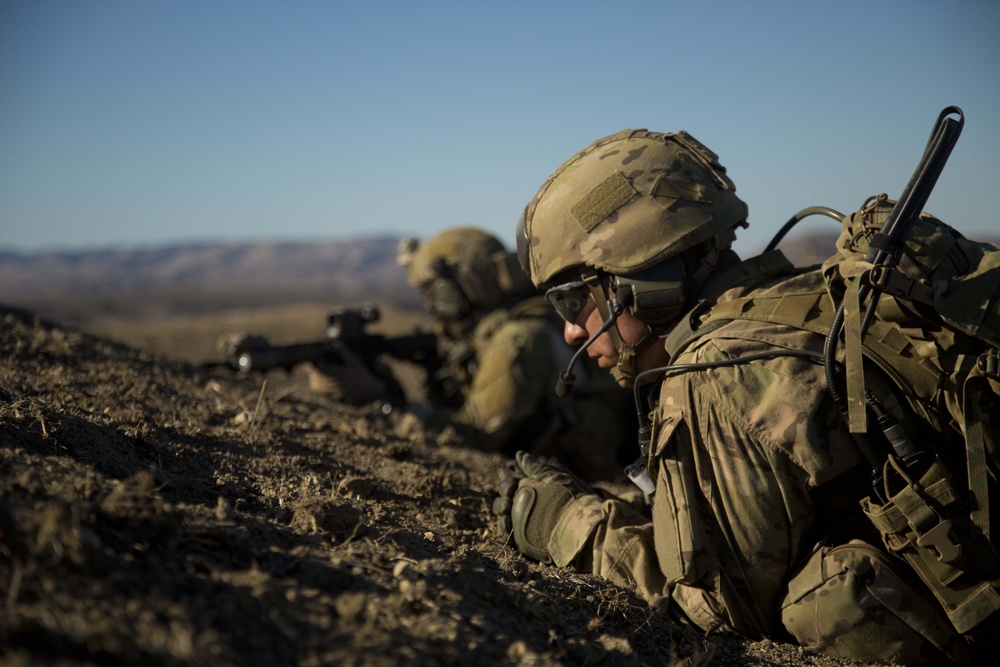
[[284, 356]]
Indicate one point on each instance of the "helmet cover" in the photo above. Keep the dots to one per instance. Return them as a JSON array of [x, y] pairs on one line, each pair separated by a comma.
[[625, 203], [476, 262]]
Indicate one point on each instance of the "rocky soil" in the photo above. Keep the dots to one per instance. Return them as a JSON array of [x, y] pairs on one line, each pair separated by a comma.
[[155, 513]]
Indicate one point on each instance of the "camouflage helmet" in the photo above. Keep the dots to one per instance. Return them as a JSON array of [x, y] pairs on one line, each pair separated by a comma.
[[626, 203], [486, 273]]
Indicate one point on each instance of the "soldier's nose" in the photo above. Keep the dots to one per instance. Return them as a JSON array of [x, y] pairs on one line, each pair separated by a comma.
[[574, 334]]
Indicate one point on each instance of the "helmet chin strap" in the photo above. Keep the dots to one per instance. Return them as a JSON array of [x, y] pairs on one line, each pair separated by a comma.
[[625, 368], [627, 352], [609, 309]]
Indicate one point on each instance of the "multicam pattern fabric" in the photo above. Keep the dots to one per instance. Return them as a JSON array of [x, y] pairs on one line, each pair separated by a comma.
[[487, 274], [848, 599], [510, 394], [464, 253], [626, 202], [753, 467]]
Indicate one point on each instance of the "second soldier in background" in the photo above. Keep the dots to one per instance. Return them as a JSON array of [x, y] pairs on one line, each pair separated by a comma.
[[502, 353]]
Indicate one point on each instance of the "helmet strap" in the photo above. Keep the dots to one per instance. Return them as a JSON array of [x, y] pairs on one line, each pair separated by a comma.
[[708, 263], [625, 368]]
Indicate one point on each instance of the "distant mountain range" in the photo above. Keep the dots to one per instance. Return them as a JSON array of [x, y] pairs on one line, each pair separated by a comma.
[[191, 279], [136, 282]]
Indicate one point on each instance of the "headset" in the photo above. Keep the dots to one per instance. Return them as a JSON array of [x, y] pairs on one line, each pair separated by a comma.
[[656, 295]]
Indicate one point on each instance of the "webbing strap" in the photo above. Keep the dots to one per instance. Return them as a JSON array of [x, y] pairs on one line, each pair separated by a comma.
[[812, 311], [746, 274], [895, 282], [627, 352], [975, 453], [857, 415], [932, 533], [801, 311]]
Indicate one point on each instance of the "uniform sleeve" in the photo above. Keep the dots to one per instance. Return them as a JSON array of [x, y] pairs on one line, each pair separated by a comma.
[[509, 386], [735, 460], [609, 538], [727, 517], [719, 554]]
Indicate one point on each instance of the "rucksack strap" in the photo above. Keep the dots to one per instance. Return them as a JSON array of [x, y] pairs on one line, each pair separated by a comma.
[[896, 355], [975, 391], [749, 273]]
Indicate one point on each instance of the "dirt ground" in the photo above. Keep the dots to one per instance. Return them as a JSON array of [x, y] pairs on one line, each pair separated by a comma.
[[155, 513]]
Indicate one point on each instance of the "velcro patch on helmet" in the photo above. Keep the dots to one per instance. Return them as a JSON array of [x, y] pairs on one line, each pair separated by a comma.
[[609, 196], [672, 188]]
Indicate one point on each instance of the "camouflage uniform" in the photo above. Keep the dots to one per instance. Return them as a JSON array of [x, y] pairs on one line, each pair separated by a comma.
[[753, 466], [508, 393], [506, 359], [755, 522]]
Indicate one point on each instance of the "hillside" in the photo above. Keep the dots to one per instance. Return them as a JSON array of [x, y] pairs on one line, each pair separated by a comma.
[[132, 283], [156, 514]]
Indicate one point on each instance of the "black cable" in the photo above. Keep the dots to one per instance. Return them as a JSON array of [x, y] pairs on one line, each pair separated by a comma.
[[798, 217], [705, 365]]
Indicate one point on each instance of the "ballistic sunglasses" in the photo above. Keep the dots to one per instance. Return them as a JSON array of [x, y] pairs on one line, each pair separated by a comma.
[[569, 299]]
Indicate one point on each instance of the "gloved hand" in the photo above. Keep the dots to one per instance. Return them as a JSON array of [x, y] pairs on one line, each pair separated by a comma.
[[349, 381], [531, 500]]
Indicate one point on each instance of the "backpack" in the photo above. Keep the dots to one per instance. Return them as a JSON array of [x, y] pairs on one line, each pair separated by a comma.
[[935, 335]]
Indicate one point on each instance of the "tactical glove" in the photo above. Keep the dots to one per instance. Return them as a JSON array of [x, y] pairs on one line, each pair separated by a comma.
[[531, 500]]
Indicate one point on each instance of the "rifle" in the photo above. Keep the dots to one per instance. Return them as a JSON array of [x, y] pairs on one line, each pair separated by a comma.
[[346, 329]]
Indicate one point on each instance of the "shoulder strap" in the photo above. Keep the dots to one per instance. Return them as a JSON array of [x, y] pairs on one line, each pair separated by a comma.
[[747, 274], [814, 311]]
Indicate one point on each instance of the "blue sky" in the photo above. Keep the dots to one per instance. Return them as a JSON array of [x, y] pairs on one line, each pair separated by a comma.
[[149, 123]]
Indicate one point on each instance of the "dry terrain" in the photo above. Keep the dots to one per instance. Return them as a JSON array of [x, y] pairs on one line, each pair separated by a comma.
[[156, 513]]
